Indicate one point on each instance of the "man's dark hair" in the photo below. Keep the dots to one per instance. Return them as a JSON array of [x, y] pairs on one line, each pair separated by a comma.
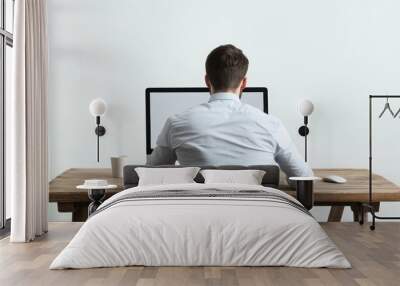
[[226, 66]]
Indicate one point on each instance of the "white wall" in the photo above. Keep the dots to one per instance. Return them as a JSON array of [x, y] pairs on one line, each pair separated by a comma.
[[335, 53]]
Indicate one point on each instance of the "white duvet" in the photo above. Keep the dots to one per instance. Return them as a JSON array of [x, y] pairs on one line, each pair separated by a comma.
[[200, 231]]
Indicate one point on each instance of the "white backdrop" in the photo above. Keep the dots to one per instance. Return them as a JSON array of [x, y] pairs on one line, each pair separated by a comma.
[[332, 52]]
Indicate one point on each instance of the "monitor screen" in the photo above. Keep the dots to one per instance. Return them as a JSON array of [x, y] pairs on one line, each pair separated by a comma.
[[161, 103]]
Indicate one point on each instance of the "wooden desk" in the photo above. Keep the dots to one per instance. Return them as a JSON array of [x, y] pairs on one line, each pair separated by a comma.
[[62, 190], [353, 193]]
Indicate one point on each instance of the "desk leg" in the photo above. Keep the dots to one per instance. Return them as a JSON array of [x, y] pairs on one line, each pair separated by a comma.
[[80, 212], [335, 214], [360, 214]]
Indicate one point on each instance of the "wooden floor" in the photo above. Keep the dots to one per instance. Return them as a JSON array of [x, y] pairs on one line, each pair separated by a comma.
[[375, 257]]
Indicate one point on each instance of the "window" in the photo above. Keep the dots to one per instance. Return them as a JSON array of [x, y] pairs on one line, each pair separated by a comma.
[[6, 62]]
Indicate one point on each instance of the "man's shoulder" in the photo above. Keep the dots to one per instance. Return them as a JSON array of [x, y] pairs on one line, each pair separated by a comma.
[[203, 110]]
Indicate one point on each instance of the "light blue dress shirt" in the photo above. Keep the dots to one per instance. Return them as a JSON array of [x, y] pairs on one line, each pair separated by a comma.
[[225, 131]]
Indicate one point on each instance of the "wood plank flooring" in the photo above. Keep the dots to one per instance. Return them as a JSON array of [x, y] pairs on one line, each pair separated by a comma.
[[375, 257]]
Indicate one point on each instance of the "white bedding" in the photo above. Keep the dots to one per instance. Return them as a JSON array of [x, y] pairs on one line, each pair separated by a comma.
[[200, 231]]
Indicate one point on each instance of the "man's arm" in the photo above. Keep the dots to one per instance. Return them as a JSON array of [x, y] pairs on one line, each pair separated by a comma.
[[288, 157], [292, 164], [163, 154]]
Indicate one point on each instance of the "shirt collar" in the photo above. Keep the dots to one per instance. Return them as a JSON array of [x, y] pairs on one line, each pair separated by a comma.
[[224, 96]]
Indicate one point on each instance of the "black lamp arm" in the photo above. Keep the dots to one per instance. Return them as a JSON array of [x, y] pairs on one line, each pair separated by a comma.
[[304, 131], [100, 131]]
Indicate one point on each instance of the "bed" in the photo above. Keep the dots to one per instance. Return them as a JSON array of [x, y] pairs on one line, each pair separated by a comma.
[[198, 224]]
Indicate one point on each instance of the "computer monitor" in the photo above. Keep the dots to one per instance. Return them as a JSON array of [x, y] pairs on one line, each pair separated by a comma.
[[161, 103]]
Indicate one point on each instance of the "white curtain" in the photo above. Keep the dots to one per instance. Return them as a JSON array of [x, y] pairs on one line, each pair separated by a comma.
[[28, 122]]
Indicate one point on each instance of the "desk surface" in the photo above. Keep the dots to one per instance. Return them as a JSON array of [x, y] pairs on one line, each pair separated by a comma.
[[62, 188]]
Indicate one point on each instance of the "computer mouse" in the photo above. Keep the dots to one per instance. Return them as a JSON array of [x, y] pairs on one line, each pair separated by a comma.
[[334, 179]]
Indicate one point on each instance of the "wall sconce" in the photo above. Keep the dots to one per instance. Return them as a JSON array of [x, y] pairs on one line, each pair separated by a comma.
[[97, 108], [306, 107]]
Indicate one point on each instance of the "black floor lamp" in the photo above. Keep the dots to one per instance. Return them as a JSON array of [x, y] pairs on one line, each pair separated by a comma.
[[306, 107]]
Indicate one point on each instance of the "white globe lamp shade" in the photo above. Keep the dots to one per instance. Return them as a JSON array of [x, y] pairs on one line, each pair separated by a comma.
[[98, 107], [306, 107]]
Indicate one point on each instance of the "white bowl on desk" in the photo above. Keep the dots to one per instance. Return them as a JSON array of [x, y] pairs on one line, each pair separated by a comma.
[[96, 184]]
